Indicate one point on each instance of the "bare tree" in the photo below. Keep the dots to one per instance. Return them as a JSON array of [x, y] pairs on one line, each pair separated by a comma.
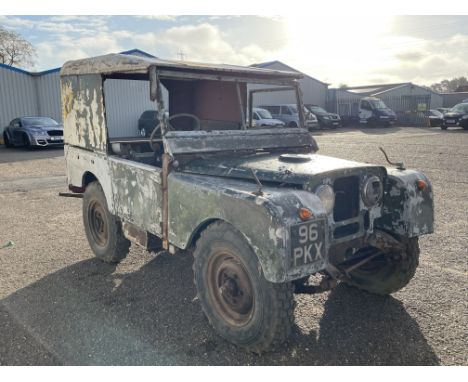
[[342, 86], [15, 50], [447, 86]]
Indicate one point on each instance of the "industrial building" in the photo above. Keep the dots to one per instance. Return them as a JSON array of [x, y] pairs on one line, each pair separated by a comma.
[[24, 93], [313, 91], [409, 101]]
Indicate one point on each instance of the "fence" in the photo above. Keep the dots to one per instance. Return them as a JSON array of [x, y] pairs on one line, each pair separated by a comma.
[[411, 110]]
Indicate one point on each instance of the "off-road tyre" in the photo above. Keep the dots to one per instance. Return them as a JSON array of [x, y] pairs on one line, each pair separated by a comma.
[[263, 314], [388, 272], [7, 142], [103, 230]]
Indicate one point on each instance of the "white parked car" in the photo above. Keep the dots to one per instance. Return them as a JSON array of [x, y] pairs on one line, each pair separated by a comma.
[[262, 117]]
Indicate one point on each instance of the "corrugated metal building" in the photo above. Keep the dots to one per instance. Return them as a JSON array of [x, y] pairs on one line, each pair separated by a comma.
[[313, 90], [24, 93], [451, 99], [410, 102]]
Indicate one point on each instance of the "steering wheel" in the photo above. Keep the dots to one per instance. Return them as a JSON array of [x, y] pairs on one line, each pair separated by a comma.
[[153, 144]]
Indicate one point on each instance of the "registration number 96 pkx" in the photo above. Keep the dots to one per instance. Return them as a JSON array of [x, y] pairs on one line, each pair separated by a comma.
[[307, 243]]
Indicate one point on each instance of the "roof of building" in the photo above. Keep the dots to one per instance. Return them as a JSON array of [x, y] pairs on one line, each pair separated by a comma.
[[124, 63], [135, 52], [269, 63], [378, 89]]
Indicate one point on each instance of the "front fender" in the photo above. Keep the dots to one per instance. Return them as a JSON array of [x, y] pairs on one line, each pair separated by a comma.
[[263, 220], [407, 210]]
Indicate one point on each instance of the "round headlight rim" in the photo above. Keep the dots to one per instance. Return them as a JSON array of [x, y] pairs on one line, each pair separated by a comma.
[[319, 191], [366, 200]]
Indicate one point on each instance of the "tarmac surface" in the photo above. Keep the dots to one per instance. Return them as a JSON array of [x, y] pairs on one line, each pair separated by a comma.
[[60, 306]]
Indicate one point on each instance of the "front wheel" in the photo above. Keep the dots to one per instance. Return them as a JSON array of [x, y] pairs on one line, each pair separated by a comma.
[[387, 272], [7, 141], [103, 229], [239, 302]]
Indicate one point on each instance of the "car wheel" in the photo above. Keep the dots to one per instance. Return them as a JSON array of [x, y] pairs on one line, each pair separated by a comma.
[[103, 229], [241, 305], [387, 272], [443, 127], [292, 124], [27, 142], [6, 140]]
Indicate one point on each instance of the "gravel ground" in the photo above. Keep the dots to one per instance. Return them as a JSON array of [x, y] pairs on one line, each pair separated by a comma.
[[60, 306]]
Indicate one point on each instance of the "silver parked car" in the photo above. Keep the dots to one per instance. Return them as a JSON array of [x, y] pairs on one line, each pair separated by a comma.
[[263, 118], [33, 131], [289, 114]]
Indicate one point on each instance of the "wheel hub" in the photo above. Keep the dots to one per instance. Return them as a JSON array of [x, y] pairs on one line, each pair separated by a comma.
[[98, 223], [232, 290]]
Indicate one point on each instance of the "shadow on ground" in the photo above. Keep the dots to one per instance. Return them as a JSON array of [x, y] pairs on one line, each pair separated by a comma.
[[18, 154], [89, 314]]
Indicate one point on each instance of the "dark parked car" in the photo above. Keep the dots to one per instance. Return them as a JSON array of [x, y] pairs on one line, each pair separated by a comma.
[[33, 132], [147, 122], [325, 119], [436, 118], [457, 116]]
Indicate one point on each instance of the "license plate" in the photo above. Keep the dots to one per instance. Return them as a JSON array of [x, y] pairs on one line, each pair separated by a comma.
[[450, 121], [56, 138], [308, 243], [335, 123]]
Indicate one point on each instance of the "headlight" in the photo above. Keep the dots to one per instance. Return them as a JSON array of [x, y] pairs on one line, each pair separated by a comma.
[[37, 133], [326, 117], [372, 191], [327, 196]]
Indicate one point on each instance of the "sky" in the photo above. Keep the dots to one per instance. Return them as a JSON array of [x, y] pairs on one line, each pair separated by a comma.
[[340, 49]]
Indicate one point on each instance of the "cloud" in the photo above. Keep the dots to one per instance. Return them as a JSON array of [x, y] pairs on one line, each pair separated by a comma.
[[71, 48], [58, 24], [410, 56], [157, 17], [199, 42]]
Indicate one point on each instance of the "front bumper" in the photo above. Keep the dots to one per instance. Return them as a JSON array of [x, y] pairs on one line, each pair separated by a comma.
[[331, 122], [46, 140], [311, 124]]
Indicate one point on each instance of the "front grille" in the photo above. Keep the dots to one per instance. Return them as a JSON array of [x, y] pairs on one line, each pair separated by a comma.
[[346, 230], [55, 133], [346, 198]]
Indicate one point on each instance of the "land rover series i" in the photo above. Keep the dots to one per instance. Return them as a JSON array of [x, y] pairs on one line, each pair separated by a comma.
[[258, 208]]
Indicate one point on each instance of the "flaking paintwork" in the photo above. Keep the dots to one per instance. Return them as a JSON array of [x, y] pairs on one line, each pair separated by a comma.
[[83, 112], [263, 220]]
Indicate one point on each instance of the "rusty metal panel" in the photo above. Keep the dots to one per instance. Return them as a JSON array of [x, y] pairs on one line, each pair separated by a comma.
[[80, 162], [121, 63], [264, 220], [184, 142], [83, 112], [137, 193], [407, 211]]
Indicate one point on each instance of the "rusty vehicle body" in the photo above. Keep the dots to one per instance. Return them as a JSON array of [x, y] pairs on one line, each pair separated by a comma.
[[259, 208]]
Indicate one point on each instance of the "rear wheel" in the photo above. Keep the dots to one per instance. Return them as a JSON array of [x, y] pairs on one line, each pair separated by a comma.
[[239, 302], [103, 229], [387, 272]]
